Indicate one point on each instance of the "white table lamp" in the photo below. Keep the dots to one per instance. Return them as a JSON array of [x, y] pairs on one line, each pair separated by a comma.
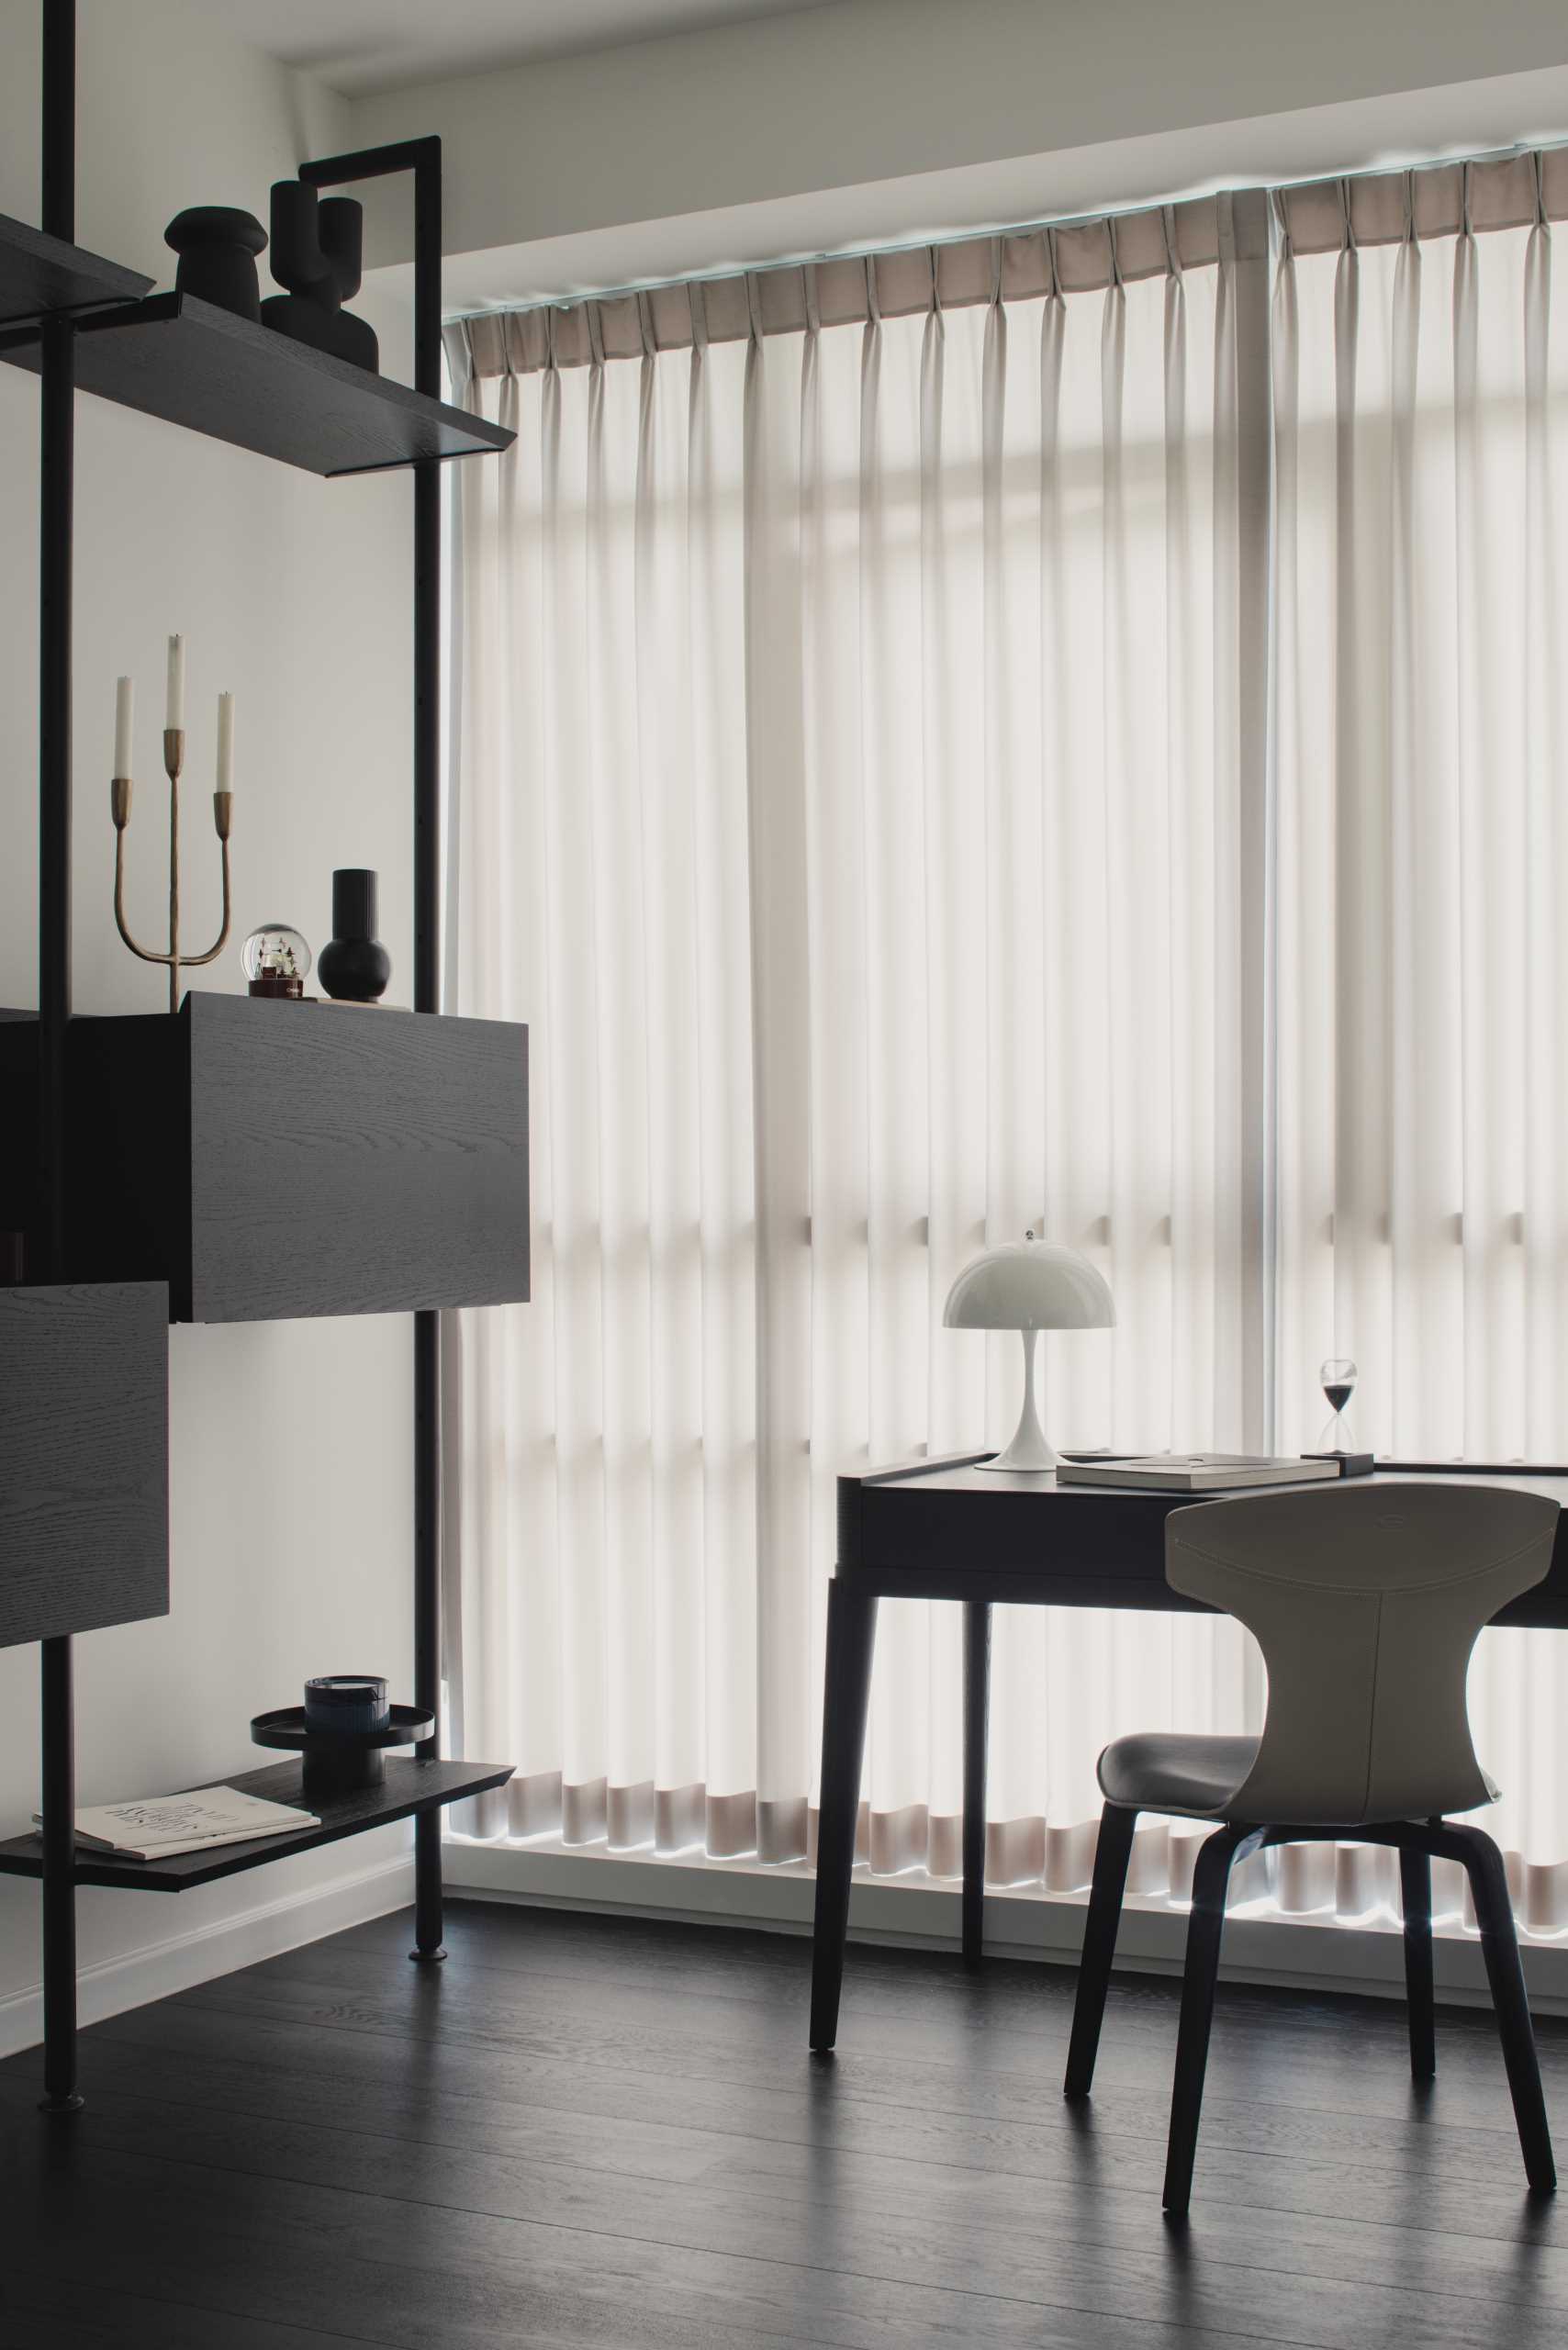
[[1029, 1285]]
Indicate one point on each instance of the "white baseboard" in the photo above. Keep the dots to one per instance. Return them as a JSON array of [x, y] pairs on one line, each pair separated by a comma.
[[1296, 1954], [177, 1963], [912, 1911]]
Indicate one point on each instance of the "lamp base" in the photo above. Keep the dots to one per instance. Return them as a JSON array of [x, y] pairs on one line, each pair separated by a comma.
[[1030, 1454], [1025, 1459]]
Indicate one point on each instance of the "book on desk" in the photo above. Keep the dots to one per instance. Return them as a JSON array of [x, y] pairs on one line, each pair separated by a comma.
[[1198, 1472]]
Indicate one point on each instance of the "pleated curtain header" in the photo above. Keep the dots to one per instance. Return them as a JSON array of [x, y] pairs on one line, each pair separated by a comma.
[[1319, 216], [845, 292]]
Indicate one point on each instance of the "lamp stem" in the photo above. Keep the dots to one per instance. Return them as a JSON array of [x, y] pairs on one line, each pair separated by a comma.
[[1029, 1450], [173, 765]]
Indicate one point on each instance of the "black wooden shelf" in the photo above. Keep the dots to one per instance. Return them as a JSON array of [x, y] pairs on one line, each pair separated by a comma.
[[272, 1160], [409, 1787], [40, 276], [205, 368]]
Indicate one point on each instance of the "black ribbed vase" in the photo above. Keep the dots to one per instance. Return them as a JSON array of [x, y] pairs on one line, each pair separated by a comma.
[[353, 965]]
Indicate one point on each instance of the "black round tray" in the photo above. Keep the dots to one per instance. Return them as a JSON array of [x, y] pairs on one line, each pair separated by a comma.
[[287, 1726], [337, 1761]]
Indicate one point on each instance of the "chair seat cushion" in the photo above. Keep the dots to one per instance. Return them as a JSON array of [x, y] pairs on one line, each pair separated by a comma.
[[1165, 1771]]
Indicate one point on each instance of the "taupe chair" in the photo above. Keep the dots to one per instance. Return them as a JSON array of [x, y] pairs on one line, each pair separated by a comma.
[[1366, 1601]]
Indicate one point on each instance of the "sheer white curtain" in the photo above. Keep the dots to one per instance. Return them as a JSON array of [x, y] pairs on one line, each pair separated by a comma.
[[922, 770], [1421, 404], [849, 788]]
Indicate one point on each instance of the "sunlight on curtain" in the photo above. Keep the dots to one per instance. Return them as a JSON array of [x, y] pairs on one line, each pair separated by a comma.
[[861, 735], [1421, 403], [848, 794]]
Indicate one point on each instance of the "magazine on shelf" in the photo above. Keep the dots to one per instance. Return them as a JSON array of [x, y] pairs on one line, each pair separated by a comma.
[[156, 1826], [1196, 1472]]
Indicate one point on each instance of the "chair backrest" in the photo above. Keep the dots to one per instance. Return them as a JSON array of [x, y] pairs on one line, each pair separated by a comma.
[[1366, 1600]]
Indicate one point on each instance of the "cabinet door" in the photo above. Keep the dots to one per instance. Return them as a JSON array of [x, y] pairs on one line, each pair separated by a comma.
[[84, 1458], [353, 1161]]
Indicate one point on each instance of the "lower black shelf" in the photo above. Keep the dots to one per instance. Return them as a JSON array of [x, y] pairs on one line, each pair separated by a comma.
[[409, 1787]]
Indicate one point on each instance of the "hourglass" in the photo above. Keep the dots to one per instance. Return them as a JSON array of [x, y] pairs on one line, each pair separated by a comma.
[[1339, 1376]]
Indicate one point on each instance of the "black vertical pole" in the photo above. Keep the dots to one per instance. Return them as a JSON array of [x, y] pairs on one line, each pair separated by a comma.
[[56, 457], [426, 981], [976, 1719], [422, 157]]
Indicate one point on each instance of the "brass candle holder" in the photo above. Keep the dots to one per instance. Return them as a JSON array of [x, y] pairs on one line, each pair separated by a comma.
[[223, 814]]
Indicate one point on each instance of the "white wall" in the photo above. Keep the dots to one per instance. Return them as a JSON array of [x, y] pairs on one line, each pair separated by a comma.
[[880, 120], [291, 1514]]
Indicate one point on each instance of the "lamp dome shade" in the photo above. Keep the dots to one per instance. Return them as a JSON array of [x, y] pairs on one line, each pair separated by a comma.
[[1029, 1285]]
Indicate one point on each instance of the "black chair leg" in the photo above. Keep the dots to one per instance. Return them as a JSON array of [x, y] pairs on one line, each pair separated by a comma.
[[1416, 1899], [1500, 1949], [1111, 1853], [1210, 1882]]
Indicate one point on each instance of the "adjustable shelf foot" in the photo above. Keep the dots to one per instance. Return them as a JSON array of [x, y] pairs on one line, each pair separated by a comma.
[[71, 2103], [428, 1891]]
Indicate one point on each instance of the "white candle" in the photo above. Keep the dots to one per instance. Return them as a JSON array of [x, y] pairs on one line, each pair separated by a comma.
[[124, 695], [226, 741], [175, 716]]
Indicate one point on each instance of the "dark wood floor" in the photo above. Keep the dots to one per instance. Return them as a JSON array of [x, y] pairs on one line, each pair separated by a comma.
[[594, 2132]]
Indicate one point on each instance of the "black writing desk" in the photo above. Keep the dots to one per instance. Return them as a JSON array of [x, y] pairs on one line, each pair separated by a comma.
[[952, 1529]]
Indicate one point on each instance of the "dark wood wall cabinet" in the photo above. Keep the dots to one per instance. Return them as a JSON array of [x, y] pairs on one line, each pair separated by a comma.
[[84, 1458], [273, 1159]]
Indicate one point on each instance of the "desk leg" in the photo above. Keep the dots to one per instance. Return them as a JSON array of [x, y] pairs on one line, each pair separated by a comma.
[[976, 1716], [851, 1636]]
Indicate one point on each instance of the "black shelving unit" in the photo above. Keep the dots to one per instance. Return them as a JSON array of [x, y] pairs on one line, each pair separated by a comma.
[[187, 363]]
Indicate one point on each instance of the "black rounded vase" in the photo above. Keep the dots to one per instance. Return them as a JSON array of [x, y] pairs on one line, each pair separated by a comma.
[[218, 247], [354, 965]]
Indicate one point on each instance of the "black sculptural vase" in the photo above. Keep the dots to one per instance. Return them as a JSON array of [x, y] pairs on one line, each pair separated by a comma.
[[318, 245], [354, 965], [218, 247]]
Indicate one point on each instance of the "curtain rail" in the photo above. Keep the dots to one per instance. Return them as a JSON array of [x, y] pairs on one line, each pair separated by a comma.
[[1426, 201]]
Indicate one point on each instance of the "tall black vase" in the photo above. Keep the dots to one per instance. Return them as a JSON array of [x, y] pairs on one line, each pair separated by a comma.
[[353, 965]]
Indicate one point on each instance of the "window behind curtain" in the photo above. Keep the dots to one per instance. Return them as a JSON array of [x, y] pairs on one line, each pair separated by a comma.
[[864, 792], [1423, 810], [1421, 397]]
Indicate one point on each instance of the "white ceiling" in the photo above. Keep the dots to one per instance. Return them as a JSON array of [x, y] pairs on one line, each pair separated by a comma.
[[361, 47]]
